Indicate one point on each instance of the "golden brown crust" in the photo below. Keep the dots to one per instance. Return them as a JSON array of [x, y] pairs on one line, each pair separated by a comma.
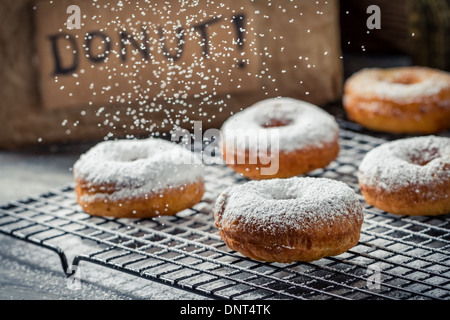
[[166, 202], [290, 163], [388, 116], [302, 246], [422, 114], [410, 200]]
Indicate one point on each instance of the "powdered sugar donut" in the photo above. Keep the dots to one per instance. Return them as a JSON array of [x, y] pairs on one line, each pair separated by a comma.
[[408, 176], [137, 178], [399, 100], [279, 138], [286, 220]]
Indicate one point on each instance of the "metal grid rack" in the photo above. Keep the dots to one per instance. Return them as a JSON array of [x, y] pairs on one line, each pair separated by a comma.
[[409, 255]]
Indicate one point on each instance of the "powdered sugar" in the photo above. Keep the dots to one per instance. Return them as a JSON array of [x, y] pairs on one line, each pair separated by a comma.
[[304, 124], [385, 84], [137, 167], [415, 161], [294, 203]]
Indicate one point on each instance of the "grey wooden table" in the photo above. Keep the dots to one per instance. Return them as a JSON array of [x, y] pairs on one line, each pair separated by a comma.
[[31, 272]]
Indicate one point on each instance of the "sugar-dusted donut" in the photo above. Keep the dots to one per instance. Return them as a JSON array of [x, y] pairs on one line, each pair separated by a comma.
[[137, 178], [408, 176], [296, 136], [287, 220], [399, 100]]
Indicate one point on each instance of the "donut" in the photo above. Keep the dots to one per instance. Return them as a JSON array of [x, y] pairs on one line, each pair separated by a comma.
[[279, 138], [138, 178], [403, 100], [288, 220], [408, 176]]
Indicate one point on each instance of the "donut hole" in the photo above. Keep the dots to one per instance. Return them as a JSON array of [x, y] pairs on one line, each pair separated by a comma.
[[424, 157], [273, 123], [405, 79]]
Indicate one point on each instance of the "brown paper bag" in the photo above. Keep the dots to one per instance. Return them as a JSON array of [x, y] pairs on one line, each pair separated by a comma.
[[136, 68]]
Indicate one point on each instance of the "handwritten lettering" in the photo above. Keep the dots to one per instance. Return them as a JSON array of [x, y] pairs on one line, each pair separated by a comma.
[[98, 44]]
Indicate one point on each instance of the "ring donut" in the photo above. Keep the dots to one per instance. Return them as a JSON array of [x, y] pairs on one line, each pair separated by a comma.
[[137, 179], [302, 137], [408, 176], [399, 100], [287, 220]]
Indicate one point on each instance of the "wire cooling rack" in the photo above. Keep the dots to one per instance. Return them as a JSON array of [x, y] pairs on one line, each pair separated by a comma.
[[397, 257]]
